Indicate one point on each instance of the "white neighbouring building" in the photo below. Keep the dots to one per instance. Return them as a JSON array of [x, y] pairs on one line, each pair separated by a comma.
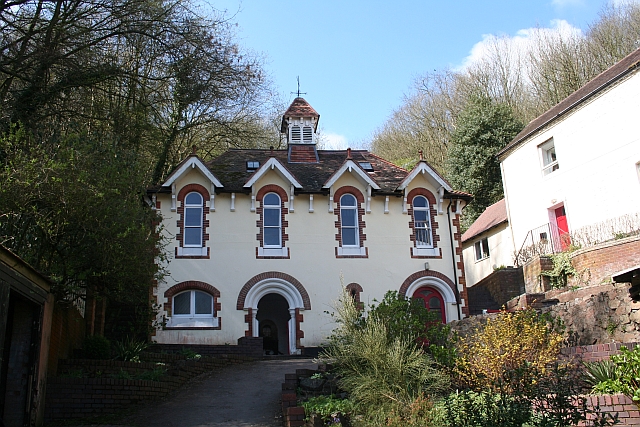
[[577, 164], [260, 240], [487, 245]]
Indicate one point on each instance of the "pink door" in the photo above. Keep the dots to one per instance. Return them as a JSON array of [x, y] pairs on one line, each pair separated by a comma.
[[563, 228]]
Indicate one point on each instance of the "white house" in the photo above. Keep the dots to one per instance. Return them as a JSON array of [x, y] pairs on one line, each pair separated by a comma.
[[577, 165], [487, 244], [261, 240]]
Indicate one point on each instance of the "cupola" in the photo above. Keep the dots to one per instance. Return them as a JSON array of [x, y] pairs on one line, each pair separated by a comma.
[[300, 122]]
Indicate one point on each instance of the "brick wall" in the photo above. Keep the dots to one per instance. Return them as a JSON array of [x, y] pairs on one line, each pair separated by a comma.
[[597, 264], [591, 353], [495, 290], [69, 398], [250, 347], [616, 403], [534, 282]]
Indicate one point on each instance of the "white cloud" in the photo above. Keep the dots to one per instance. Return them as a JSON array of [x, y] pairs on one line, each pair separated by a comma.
[[334, 141], [519, 44], [567, 3]]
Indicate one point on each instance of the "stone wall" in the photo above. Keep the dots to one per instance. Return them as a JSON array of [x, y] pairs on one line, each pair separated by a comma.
[[597, 314]]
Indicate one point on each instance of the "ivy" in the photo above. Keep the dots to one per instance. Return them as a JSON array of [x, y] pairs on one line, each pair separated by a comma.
[[562, 269]]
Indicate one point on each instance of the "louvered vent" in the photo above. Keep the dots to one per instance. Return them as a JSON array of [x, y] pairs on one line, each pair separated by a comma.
[[295, 134], [307, 134]]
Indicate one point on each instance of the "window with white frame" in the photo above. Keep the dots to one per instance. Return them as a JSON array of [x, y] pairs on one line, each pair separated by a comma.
[[193, 205], [548, 156], [272, 221], [349, 221], [482, 249], [422, 222], [193, 308]]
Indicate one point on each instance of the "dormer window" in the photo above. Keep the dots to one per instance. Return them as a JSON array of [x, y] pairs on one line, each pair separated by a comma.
[[252, 166], [366, 166]]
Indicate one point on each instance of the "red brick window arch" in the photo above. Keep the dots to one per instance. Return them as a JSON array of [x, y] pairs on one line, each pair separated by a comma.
[[350, 223], [272, 223], [422, 213], [192, 305], [192, 222]]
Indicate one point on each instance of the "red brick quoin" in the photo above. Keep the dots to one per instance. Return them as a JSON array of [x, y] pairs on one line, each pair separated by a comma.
[[347, 189], [193, 285], [205, 222], [272, 188], [435, 238]]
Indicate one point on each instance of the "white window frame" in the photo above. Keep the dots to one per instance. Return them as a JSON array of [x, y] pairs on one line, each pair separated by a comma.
[[184, 222], [357, 222], [481, 249], [192, 319], [278, 227], [426, 227], [547, 153]]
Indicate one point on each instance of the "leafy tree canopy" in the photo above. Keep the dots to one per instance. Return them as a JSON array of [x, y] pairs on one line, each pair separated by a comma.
[[483, 128]]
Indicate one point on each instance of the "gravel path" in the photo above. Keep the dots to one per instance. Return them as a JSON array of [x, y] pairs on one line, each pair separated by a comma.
[[239, 396]]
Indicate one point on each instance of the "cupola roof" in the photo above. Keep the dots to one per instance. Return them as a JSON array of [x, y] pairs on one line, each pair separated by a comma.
[[299, 108]]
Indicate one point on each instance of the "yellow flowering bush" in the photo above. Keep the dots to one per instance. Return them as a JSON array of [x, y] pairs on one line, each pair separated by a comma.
[[512, 348]]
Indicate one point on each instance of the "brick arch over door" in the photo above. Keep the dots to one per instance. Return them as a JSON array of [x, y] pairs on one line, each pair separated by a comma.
[[426, 274], [272, 275]]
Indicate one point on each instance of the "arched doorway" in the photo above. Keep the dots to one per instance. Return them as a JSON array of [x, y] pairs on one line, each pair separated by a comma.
[[261, 293], [273, 319], [435, 289], [432, 301]]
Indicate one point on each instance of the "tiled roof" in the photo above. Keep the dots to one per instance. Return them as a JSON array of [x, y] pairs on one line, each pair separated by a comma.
[[601, 81], [298, 108], [231, 169], [494, 215]]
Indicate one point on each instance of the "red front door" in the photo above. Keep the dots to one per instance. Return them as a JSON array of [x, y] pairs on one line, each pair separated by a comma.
[[432, 300], [563, 228]]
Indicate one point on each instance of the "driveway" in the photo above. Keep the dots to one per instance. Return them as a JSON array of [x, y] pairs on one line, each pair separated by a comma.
[[245, 395]]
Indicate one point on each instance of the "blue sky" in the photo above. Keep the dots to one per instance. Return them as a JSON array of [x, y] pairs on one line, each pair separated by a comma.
[[357, 59]]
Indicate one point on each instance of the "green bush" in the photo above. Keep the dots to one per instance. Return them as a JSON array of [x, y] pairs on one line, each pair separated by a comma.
[[96, 347], [379, 370], [485, 409], [625, 377], [408, 318], [129, 350], [328, 408]]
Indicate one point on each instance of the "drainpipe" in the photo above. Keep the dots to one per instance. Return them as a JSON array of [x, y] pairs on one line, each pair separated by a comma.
[[453, 261]]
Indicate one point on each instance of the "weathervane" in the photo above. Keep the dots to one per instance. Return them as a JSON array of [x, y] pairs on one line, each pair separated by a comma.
[[298, 92]]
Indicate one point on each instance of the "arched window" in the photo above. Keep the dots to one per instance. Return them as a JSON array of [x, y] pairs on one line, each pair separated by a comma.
[[272, 221], [432, 300], [193, 308], [193, 220], [349, 221], [422, 222]]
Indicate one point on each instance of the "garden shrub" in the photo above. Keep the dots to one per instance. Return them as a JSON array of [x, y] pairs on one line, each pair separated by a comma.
[[377, 369], [129, 350], [485, 409], [512, 342], [407, 317], [328, 408], [96, 347], [625, 377]]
